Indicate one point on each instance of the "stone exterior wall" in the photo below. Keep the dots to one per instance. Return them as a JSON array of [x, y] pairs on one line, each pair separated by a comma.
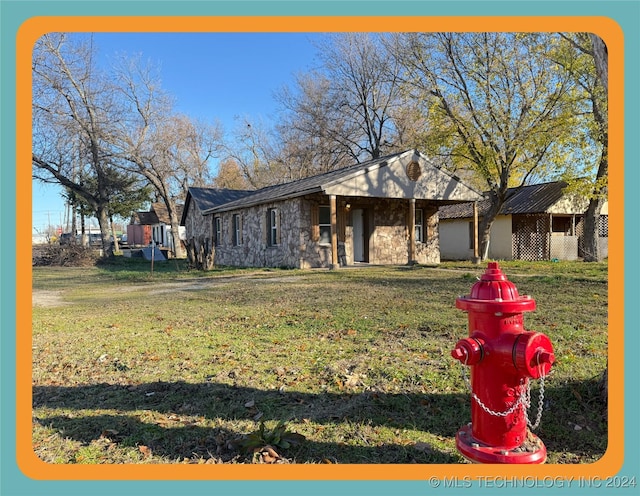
[[429, 251], [390, 238], [312, 254], [297, 246], [388, 233]]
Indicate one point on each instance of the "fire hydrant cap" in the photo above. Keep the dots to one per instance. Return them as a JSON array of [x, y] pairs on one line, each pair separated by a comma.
[[494, 289], [494, 285]]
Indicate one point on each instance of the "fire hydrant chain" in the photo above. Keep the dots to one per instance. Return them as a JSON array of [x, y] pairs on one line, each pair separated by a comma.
[[540, 404], [523, 400]]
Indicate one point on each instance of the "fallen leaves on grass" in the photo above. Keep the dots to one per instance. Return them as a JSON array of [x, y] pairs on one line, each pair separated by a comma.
[[145, 450], [266, 454]]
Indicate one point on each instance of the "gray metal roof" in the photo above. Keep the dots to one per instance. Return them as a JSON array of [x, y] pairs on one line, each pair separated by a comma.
[[532, 199], [292, 189]]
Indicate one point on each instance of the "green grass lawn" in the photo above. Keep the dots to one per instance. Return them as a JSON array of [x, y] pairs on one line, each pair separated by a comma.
[[181, 366]]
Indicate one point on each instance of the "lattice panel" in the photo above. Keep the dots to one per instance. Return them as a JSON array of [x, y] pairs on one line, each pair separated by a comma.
[[603, 226], [530, 238]]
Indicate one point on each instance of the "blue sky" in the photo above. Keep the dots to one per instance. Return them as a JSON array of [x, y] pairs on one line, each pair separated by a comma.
[[212, 76]]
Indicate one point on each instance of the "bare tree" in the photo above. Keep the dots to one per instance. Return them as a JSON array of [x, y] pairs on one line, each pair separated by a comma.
[[347, 110], [365, 89], [171, 151], [254, 149], [194, 144], [496, 104], [310, 128], [314, 131], [600, 187], [73, 107], [344, 111]]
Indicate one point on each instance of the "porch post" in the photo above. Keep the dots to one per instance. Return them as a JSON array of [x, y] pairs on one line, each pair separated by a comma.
[[476, 257], [334, 232], [550, 237], [412, 231]]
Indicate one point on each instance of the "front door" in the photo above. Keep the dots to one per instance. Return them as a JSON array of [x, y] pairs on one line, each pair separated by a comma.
[[358, 235]]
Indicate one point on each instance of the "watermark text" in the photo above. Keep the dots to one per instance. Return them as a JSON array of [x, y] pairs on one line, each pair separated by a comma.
[[492, 482]]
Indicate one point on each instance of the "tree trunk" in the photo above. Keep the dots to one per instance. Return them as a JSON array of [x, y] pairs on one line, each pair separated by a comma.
[[103, 221], [591, 245], [84, 240], [116, 246], [191, 253], [74, 225], [178, 250], [601, 57], [484, 228], [592, 215]]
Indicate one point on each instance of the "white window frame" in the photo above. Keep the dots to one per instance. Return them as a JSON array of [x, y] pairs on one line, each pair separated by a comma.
[[273, 227], [324, 225], [217, 229], [419, 225], [237, 229]]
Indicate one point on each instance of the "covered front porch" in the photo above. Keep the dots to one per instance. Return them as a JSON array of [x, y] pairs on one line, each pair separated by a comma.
[[355, 230], [388, 213]]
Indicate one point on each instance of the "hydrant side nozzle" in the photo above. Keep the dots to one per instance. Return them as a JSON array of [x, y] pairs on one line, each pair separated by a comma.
[[533, 354], [469, 351]]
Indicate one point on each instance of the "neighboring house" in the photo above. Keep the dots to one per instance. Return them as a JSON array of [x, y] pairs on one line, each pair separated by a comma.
[[153, 226], [384, 211], [139, 230], [538, 222], [161, 232]]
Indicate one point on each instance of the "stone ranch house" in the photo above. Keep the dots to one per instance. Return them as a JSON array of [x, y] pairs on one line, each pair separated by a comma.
[[384, 211]]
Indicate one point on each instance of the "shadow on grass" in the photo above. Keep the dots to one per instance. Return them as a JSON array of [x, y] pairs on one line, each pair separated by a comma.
[[575, 421], [164, 412], [161, 407]]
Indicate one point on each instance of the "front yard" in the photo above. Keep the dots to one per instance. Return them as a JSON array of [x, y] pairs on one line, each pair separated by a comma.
[[181, 367]]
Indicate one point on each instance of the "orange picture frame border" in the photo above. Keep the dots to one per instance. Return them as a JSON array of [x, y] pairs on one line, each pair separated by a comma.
[[31, 466]]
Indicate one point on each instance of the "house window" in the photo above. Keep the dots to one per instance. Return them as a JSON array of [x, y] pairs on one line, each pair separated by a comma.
[[419, 226], [324, 223], [273, 227], [217, 229], [237, 230], [561, 225]]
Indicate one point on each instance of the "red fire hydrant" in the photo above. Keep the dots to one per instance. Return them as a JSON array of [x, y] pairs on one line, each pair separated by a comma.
[[502, 357]]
